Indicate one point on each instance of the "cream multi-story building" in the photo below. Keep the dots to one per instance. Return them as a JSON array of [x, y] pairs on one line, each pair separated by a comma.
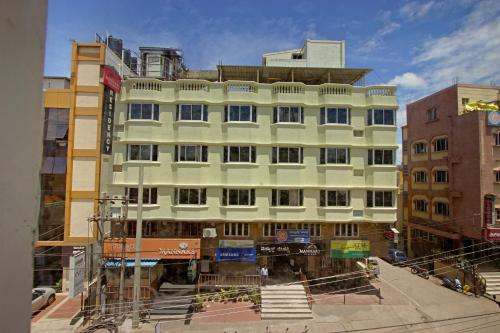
[[248, 150]]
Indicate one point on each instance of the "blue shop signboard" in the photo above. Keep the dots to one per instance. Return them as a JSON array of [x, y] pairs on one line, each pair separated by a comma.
[[293, 236], [236, 254]]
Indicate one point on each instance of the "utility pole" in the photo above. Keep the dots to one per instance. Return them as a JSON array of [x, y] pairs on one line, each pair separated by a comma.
[[124, 229], [137, 264], [101, 217]]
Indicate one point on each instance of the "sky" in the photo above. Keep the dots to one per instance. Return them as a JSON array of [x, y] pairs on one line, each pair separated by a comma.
[[419, 45]]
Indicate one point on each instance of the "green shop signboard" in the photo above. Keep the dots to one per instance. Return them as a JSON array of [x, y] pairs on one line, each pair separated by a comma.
[[350, 249]]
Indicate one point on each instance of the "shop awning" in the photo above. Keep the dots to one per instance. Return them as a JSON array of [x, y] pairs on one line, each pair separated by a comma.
[[113, 263]]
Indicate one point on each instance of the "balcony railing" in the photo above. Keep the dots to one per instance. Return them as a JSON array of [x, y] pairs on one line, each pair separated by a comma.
[[192, 85], [288, 88], [146, 85], [335, 89], [245, 87], [381, 91]]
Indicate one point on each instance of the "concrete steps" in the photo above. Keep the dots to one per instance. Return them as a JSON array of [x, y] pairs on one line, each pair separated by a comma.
[[173, 302], [492, 283], [285, 302]]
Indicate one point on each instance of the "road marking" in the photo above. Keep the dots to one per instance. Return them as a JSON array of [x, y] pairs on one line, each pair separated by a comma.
[[399, 290]]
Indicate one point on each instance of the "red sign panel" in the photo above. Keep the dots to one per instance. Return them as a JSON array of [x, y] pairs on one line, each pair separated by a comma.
[[489, 201], [492, 234], [110, 78]]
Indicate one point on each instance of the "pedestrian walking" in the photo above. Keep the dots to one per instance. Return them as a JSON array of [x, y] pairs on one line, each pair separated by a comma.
[[264, 273]]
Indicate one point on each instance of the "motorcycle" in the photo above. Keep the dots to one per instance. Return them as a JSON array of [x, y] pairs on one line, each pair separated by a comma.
[[420, 271], [454, 285]]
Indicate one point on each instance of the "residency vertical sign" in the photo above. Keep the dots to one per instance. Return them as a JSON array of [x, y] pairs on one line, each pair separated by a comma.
[[76, 274], [108, 112]]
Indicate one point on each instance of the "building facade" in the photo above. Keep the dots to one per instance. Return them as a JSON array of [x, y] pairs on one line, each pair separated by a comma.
[[253, 150], [451, 159]]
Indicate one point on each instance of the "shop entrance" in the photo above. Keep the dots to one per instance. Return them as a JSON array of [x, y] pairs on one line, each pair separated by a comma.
[[178, 271]]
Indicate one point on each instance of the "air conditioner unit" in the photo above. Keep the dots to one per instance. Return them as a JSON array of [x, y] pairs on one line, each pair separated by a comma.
[[209, 233]]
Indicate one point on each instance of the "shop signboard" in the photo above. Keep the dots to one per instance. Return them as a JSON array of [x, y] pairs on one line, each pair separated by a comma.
[[241, 243], [489, 203], [154, 248], [77, 273], [235, 254], [108, 114], [110, 78], [345, 249], [293, 249], [492, 234], [293, 236]]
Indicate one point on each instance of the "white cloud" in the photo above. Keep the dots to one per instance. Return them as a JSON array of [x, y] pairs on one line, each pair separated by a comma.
[[376, 41], [470, 53], [408, 80], [415, 10]]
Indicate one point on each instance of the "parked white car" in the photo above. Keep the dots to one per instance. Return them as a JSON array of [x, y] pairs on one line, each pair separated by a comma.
[[42, 297]]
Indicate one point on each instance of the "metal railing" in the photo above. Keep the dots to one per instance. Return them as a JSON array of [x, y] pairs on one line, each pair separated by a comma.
[[305, 284], [217, 280]]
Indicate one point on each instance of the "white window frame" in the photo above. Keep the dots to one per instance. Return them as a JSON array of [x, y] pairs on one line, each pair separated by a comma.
[[419, 148], [151, 152], [299, 194], [373, 152], [236, 229], [202, 196], [198, 154], [276, 159], [445, 208], [269, 229], [497, 176], [346, 230], [226, 199], [147, 195], [420, 176], [336, 109], [314, 228], [371, 117], [432, 114], [497, 139], [325, 198], [440, 180], [155, 111], [252, 110], [299, 109], [252, 150], [327, 152], [435, 144], [420, 205], [374, 198], [202, 113]]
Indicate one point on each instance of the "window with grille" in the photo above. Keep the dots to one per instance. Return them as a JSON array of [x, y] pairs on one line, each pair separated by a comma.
[[346, 230], [441, 176], [314, 228], [236, 229], [497, 139], [420, 176], [269, 229], [441, 208], [432, 114], [440, 144], [420, 205], [419, 148]]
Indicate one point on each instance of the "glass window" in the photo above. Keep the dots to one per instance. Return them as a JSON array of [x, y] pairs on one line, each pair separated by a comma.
[[142, 152], [287, 197], [380, 156], [334, 198], [143, 112], [379, 199], [191, 196], [419, 148], [288, 114], [196, 112], [441, 176], [440, 144], [149, 195], [314, 228], [420, 205], [269, 229], [420, 177], [334, 156], [238, 197], [287, 155], [441, 208], [188, 153], [381, 117], [237, 154], [497, 139]]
